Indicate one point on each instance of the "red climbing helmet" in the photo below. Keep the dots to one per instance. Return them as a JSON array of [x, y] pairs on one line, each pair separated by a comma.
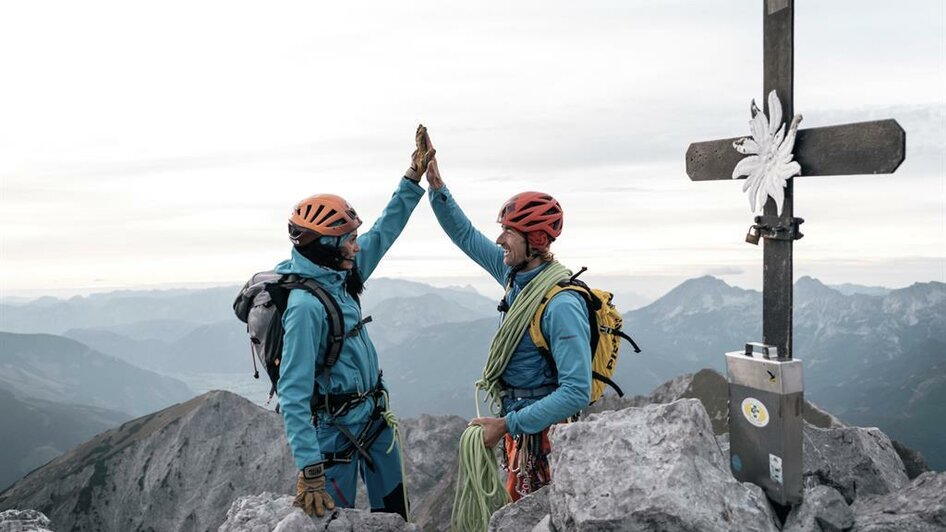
[[533, 212]]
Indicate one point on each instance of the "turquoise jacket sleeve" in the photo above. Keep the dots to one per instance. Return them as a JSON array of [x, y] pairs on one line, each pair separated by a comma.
[[458, 227], [303, 323], [565, 324], [376, 242]]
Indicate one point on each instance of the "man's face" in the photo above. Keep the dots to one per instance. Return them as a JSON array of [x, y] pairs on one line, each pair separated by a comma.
[[349, 249], [514, 246]]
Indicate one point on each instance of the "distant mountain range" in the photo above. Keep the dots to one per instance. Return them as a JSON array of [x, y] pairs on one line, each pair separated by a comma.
[[872, 356], [56, 392], [35, 431], [869, 359]]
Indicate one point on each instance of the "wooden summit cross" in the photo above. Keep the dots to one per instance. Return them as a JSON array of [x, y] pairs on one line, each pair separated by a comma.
[[876, 147]]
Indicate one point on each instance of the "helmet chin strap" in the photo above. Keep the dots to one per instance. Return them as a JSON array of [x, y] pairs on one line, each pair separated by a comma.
[[530, 254]]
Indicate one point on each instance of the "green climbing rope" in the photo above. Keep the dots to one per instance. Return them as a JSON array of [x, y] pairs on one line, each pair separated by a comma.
[[479, 489], [391, 419], [511, 331]]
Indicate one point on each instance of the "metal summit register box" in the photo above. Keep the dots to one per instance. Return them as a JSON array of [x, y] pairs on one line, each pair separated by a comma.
[[766, 395]]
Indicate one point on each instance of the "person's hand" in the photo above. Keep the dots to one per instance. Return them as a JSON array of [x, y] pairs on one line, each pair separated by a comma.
[[494, 428], [422, 155], [310, 491], [433, 175]]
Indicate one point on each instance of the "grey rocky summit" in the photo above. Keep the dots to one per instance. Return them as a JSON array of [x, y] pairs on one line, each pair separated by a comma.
[[920, 507], [670, 459], [24, 521], [220, 459], [177, 469], [268, 511], [853, 460]]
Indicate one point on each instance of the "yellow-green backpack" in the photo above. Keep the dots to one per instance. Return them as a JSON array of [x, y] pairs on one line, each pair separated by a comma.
[[605, 325]]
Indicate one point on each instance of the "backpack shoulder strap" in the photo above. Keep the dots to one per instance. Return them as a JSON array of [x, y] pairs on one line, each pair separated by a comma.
[[535, 326], [336, 320]]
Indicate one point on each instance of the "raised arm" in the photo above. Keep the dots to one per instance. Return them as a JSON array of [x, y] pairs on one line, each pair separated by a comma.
[[458, 227], [376, 242]]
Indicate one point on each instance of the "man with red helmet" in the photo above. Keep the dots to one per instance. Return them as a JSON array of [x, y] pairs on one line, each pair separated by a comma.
[[533, 389], [338, 422]]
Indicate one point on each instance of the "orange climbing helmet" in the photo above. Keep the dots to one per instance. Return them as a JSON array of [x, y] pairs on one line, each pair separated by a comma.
[[322, 215], [535, 214]]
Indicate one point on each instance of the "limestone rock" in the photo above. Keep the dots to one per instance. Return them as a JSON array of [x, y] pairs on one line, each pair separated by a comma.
[[913, 461], [824, 510], [712, 390], [265, 512], [24, 521], [920, 507], [431, 459], [177, 469], [853, 460], [545, 525], [524, 514], [723, 441], [652, 468], [257, 513]]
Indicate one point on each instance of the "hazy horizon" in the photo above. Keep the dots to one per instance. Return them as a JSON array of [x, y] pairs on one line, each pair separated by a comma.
[[649, 288]]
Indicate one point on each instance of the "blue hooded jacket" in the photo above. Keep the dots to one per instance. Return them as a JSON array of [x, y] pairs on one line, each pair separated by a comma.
[[306, 325], [564, 324]]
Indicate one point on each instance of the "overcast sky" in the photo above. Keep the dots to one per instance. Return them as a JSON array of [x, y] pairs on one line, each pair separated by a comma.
[[163, 143]]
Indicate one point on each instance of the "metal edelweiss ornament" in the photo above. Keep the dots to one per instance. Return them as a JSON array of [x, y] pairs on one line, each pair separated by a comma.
[[769, 164]]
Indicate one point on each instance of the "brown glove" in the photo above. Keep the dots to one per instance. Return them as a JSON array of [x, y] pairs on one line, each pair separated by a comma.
[[310, 491], [421, 156]]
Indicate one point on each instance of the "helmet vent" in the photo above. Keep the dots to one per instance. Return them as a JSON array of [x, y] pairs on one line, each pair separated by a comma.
[[317, 212], [325, 218], [307, 209]]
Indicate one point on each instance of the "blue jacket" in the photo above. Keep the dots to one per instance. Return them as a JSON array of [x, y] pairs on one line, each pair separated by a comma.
[[564, 324], [305, 324]]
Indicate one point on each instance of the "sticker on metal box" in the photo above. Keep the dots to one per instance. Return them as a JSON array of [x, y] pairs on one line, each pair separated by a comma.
[[775, 468], [755, 412]]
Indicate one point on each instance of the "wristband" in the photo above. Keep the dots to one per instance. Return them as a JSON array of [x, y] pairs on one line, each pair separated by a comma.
[[411, 174], [313, 471]]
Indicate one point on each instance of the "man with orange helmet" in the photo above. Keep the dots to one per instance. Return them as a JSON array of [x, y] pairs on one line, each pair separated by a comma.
[[538, 389], [339, 422]]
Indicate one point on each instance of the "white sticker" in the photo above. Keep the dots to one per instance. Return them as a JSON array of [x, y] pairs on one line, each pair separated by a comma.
[[755, 412], [775, 468]]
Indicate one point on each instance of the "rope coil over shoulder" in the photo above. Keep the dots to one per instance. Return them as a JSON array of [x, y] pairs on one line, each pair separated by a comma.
[[480, 492], [513, 327]]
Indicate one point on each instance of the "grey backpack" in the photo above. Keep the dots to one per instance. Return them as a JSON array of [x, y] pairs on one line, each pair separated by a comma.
[[261, 304]]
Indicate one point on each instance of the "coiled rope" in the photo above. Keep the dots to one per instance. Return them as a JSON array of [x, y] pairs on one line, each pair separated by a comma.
[[480, 492], [479, 489], [391, 419]]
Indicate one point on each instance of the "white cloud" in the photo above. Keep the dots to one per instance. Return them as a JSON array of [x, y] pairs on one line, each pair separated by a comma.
[[164, 143]]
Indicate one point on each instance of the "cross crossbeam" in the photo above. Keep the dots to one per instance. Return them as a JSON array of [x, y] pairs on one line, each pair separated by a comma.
[[877, 147]]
